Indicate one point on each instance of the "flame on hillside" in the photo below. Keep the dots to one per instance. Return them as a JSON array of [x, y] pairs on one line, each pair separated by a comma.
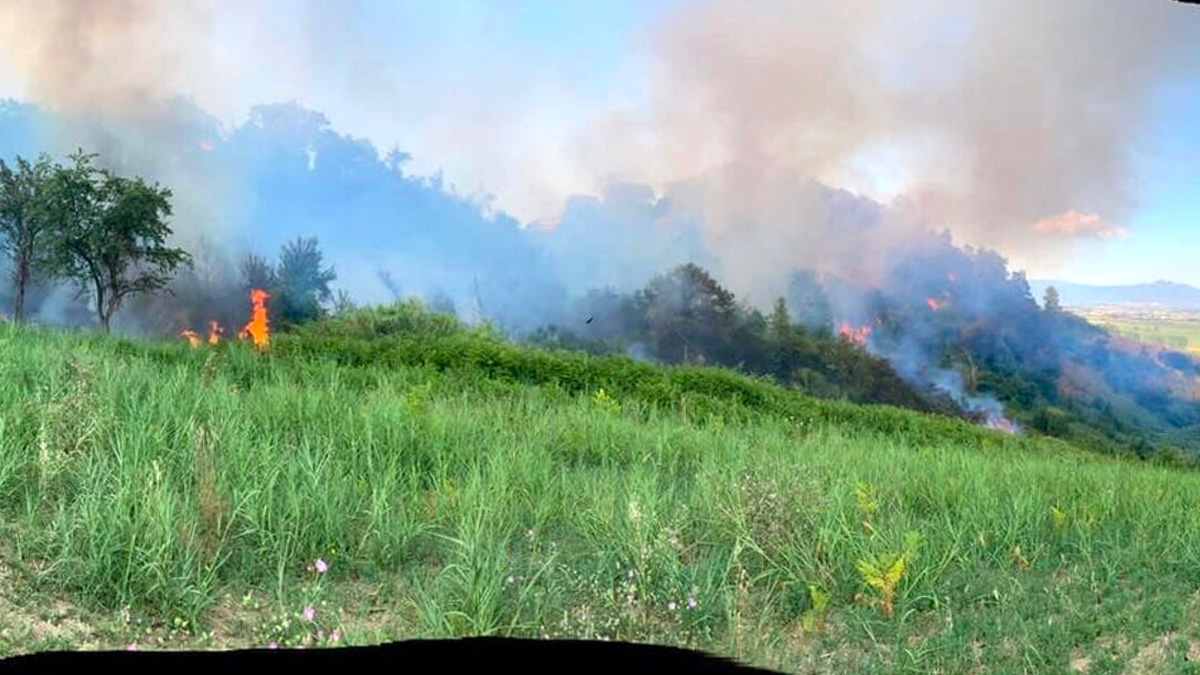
[[191, 337], [258, 328], [858, 336]]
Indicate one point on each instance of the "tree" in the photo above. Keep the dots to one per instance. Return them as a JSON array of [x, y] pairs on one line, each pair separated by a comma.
[[781, 341], [781, 322], [1051, 300], [302, 282], [109, 234], [23, 225], [689, 316], [257, 273]]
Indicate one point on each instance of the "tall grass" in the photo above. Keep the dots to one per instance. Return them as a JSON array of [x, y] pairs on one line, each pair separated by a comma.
[[157, 476]]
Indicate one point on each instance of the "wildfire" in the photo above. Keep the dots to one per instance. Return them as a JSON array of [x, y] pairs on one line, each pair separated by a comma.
[[256, 329], [857, 335], [191, 337]]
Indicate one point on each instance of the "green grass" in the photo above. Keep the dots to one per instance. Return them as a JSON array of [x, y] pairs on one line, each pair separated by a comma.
[[458, 486]]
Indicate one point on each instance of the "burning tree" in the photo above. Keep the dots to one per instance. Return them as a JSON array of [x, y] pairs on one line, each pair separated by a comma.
[[109, 234]]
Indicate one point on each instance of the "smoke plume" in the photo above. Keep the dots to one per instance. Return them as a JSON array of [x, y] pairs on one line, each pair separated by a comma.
[[986, 118]]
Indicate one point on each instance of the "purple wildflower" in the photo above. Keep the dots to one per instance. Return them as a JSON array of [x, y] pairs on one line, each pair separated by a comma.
[[322, 566], [309, 614]]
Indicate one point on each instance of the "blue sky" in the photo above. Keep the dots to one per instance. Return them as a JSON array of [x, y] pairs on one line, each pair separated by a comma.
[[1164, 241], [1164, 234]]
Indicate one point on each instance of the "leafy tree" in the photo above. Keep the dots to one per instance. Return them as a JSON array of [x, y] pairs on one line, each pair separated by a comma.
[[782, 333], [1051, 300], [781, 322], [302, 281], [23, 225], [690, 316], [257, 273], [110, 233]]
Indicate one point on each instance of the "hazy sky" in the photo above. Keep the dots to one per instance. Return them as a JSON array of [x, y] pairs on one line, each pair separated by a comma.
[[534, 100]]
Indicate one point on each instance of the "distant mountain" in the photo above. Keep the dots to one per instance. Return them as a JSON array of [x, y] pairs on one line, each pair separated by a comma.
[[1165, 293]]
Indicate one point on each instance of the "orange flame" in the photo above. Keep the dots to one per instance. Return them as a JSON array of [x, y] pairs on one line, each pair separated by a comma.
[[191, 337], [257, 328], [857, 335], [214, 333]]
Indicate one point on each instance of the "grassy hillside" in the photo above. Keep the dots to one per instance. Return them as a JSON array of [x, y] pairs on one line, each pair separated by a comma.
[[454, 485]]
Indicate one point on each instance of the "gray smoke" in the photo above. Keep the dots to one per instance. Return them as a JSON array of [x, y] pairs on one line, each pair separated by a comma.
[[1010, 123]]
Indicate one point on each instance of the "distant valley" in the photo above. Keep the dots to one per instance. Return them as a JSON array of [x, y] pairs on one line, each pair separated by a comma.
[[1159, 293]]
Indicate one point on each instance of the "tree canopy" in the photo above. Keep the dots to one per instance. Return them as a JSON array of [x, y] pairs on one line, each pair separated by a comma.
[[108, 233], [23, 223]]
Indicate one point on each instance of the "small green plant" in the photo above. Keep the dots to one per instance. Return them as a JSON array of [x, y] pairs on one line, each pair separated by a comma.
[[1059, 516], [416, 399], [606, 401], [1019, 559], [884, 573], [868, 505], [814, 618]]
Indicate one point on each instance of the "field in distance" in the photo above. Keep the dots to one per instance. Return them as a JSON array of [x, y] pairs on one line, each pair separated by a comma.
[[1163, 327]]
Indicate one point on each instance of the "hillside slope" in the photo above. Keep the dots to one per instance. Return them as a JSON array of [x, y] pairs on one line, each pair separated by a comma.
[[454, 485]]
